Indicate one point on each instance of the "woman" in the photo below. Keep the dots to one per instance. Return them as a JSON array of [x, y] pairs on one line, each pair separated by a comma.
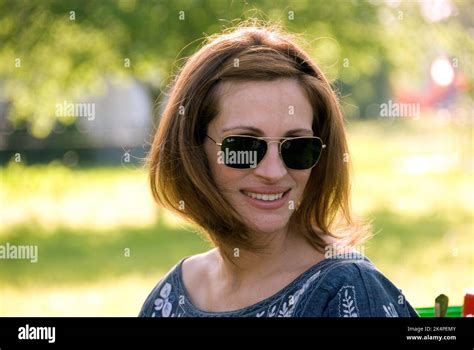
[[251, 148]]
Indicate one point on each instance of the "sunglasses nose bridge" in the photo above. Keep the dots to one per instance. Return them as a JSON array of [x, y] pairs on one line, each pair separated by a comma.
[[274, 167], [279, 145]]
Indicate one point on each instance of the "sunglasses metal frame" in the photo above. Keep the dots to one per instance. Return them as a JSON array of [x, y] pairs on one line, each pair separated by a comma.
[[280, 141]]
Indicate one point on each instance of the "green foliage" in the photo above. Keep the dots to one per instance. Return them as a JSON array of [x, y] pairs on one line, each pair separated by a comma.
[[54, 50]]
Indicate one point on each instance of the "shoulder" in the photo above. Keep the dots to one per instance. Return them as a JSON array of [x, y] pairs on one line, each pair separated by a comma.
[[356, 288], [197, 268], [164, 299]]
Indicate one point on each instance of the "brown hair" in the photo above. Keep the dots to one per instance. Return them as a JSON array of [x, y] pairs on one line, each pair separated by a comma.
[[180, 177]]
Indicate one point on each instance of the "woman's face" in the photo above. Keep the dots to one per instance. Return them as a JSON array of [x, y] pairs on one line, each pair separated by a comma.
[[276, 108]]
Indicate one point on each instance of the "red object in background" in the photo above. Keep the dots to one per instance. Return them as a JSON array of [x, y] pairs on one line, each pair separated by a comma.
[[433, 94], [468, 307]]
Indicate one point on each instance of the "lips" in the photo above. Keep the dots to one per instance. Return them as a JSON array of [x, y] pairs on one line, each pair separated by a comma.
[[265, 190], [265, 197]]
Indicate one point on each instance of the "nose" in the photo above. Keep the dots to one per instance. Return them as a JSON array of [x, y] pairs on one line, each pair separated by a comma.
[[271, 167]]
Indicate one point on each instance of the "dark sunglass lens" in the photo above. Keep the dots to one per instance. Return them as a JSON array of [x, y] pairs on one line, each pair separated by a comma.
[[301, 153], [242, 152]]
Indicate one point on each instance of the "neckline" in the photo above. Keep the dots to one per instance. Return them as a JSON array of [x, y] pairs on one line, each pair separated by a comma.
[[254, 306]]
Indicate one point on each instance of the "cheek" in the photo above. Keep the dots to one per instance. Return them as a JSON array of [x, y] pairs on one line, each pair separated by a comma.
[[301, 178], [224, 176]]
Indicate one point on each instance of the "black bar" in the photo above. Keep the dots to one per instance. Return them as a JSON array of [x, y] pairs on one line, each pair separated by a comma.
[[70, 332]]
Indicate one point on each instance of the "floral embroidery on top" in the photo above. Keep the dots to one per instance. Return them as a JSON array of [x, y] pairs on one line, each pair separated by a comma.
[[390, 310], [165, 303], [348, 302], [288, 306]]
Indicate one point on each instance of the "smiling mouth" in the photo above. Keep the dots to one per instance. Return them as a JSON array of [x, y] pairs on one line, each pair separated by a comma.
[[267, 197]]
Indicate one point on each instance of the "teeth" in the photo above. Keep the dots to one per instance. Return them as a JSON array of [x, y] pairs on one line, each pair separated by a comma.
[[265, 197]]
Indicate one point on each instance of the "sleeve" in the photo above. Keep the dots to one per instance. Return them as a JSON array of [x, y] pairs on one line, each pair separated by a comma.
[[162, 299], [366, 292], [147, 308]]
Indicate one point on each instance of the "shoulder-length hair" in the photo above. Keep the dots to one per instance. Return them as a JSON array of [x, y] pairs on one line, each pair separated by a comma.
[[180, 176]]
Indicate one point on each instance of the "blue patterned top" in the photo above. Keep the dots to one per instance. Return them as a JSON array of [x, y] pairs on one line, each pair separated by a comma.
[[334, 287]]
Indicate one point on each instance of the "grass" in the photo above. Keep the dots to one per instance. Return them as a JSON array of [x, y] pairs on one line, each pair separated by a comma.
[[68, 257], [93, 273], [411, 179]]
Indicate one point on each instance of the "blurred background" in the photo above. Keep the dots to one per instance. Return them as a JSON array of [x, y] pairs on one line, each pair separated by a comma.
[[79, 84]]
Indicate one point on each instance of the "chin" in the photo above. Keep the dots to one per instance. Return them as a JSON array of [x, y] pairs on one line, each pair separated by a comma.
[[266, 226]]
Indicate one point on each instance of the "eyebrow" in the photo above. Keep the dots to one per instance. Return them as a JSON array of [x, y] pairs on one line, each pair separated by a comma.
[[260, 132]]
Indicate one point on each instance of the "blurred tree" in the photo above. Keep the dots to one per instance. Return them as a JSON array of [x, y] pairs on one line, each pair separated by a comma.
[[56, 50]]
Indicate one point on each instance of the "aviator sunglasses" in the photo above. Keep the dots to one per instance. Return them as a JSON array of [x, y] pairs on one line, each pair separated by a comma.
[[299, 153]]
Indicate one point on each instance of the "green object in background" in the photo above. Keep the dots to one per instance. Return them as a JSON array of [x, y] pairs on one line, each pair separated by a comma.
[[441, 309], [453, 311]]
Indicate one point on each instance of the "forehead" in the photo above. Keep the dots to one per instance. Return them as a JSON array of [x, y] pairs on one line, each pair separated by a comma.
[[271, 106]]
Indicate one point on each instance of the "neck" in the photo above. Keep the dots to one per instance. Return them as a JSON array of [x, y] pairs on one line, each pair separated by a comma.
[[284, 252]]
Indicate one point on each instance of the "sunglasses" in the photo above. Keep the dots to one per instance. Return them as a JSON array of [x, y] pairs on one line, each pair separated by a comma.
[[244, 152]]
